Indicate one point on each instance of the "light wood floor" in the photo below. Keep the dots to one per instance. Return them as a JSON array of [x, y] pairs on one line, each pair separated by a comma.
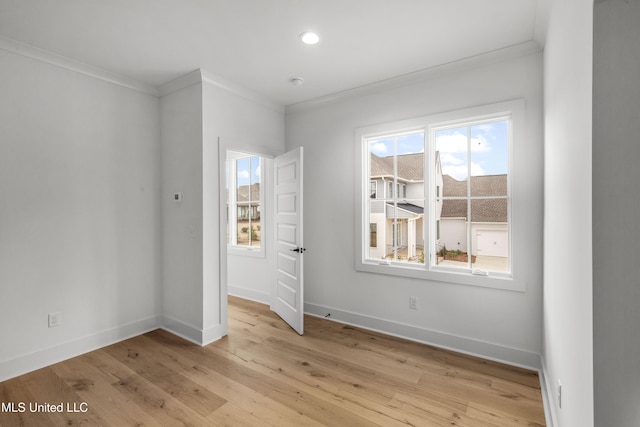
[[264, 374]]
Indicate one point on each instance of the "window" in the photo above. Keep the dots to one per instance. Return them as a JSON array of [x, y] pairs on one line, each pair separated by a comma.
[[473, 165], [446, 209], [373, 235], [245, 196], [397, 159]]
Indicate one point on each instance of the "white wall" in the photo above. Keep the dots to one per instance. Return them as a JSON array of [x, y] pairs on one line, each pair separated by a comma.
[[247, 121], [616, 207], [80, 212], [568, 349], [494, 323], [182, 258], [197, 110]]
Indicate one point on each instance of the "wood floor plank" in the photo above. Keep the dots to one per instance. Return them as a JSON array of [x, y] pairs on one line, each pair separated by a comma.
[[229, 415], [165, 409], [272, 386], [16, 394], [275, 387], [152, 362], [255, 403], [325, 384], [265, 374], [371, 388], [96, 388], [48, 388], [483, 394]]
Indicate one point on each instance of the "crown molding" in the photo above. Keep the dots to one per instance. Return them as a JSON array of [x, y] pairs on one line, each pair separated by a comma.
[[543, 12], [190, 79], [230, 86], [510, 52], [203, 76], [63, 62]]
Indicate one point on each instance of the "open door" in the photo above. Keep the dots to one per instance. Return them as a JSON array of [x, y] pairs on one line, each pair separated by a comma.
[[288, 297]]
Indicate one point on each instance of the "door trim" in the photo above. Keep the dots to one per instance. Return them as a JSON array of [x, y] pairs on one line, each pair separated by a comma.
[[224, 145]]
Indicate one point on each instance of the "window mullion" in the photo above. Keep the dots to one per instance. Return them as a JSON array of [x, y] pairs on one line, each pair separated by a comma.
[[394, 195], [469, 239], [233, 203]]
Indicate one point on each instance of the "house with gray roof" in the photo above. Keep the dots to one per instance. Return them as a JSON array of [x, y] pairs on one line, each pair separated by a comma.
[[489, 216], [248, 207], [399, 226]]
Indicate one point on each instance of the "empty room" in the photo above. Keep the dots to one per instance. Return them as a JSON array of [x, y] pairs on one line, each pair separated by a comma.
[[319, 213]]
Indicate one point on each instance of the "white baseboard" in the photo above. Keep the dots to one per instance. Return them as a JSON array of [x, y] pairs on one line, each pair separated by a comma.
[[190, 333], [213, 334], [48, 356], [261, 297], [548, 393], [176, 327], [485, 350]]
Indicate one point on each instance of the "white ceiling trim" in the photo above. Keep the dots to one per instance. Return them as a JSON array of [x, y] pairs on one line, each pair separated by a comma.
[[60, 61], [190, 79], [543, 11], [510, 52], [241, 91], [203, 76]]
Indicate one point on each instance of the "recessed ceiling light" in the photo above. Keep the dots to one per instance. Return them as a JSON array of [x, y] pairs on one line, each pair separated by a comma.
[[309, 38]]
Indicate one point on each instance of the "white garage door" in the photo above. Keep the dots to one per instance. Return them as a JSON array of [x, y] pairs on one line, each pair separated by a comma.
[[493, 243]]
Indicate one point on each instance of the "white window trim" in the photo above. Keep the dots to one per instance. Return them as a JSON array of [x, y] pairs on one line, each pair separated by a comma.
[[232, 249], [514, 109]]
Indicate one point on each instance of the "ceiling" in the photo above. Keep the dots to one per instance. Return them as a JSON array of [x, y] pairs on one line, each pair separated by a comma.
[[255, 42]]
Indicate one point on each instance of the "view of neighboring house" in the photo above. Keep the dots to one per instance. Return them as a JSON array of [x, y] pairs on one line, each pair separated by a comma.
[[398, 224], [397, 211], [244, 214], [248, 204], [489, 217]]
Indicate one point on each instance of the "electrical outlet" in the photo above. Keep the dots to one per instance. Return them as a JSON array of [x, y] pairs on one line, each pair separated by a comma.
[[413, 303], [559, 394], [55, 319]]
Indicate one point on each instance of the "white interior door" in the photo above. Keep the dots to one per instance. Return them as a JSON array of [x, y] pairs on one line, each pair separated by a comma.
[[288, 296]]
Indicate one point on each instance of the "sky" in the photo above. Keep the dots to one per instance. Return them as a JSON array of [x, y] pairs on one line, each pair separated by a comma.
[[489, 149], [248, 168]]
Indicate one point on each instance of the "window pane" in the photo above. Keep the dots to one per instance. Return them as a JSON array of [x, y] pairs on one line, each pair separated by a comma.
[[242, 180], [451, 148], [373, 235], [227, 178], [489, 158], [255, 227], [242, 226], [490, 235], [376, 249], [451, 246], [248, 207], [255, 178], [396, 166], [242, 201]]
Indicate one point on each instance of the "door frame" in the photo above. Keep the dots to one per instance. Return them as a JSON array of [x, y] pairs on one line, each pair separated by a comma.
[[224, 145]]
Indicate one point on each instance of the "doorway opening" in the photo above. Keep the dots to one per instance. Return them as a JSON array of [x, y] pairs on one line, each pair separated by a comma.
[[261, 230]]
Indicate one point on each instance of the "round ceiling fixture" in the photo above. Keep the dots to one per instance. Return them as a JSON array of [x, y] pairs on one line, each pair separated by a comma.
[[309, 38], [296, 81]]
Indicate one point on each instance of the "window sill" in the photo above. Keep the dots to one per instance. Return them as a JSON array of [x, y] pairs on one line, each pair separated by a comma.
[[246, 251], [505, 282]]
